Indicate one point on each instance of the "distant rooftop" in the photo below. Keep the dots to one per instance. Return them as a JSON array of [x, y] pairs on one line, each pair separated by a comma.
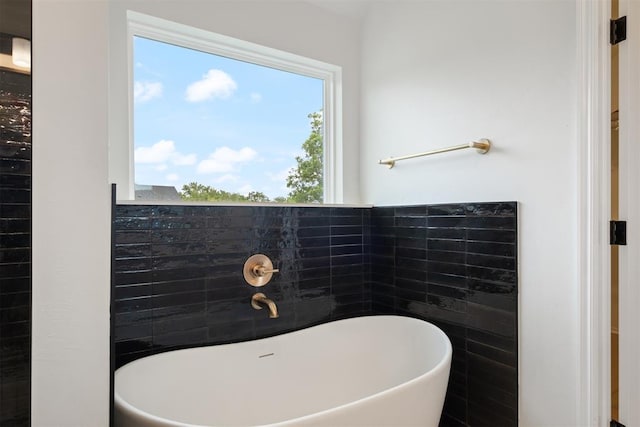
[[156, 192]]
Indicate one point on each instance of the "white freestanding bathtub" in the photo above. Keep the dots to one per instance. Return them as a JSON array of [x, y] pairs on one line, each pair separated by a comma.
[[365, 371]]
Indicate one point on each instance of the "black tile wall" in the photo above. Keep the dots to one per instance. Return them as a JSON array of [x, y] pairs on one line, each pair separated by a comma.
[[178, 272], [15, 248], [178, 282], [456, 266]]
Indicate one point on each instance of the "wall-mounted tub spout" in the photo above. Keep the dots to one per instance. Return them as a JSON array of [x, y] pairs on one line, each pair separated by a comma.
[[261, 298]]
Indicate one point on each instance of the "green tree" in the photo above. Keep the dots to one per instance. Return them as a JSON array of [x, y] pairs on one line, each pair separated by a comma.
[[257, 196], [305, 180], [197, 192], [204, 193]]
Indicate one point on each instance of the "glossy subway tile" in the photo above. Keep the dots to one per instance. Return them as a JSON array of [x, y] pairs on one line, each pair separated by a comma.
[[452, 264], [470, 273], [15, 249]]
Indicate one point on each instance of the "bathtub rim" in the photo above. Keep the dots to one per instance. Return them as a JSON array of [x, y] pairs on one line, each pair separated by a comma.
[[445, 360]]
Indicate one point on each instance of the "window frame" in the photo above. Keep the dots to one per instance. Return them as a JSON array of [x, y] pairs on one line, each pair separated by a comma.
[[162, 30]]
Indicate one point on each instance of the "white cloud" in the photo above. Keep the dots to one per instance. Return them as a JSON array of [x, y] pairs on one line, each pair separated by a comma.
[[224, 159], [226, 178], [255, 98], [172, 177], [184, 159], [214, 84], [161, 153], [279, 176], [245, 189], [146, 91]]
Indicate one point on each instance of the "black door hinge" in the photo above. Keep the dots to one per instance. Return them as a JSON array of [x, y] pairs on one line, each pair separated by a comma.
[[617, 30], [614, 423], [618, 232]]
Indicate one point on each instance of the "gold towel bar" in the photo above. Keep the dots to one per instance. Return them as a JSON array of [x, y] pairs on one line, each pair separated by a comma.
[[482, 146]]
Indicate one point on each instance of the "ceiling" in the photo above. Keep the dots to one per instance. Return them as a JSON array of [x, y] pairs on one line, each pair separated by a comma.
[[15, 15], [354, 9]]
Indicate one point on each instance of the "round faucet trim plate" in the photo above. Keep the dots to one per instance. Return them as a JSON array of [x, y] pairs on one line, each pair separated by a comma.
[[258, 270]]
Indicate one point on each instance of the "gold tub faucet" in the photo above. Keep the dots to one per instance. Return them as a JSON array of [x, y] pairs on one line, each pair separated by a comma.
[[261, 298]]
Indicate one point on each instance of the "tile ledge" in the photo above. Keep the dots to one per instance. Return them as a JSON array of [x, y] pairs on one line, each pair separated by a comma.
[[249, 204]]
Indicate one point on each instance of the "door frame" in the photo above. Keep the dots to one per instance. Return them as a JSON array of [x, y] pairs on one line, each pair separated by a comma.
[[629, 338], [594, 200]]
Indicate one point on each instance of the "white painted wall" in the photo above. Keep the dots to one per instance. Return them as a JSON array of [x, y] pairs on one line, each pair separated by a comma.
[[71, 214], [290, 26], [79, 106], [433, 74], [440, 73]]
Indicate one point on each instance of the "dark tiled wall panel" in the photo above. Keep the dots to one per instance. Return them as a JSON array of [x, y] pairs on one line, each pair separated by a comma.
[[178, 272], [456, 265], [15, 248], [178, 282]]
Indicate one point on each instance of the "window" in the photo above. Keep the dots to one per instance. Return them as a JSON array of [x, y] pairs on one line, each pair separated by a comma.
[[220, 119]]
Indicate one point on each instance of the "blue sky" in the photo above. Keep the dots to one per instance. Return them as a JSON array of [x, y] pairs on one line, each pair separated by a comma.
[[217, 121]]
